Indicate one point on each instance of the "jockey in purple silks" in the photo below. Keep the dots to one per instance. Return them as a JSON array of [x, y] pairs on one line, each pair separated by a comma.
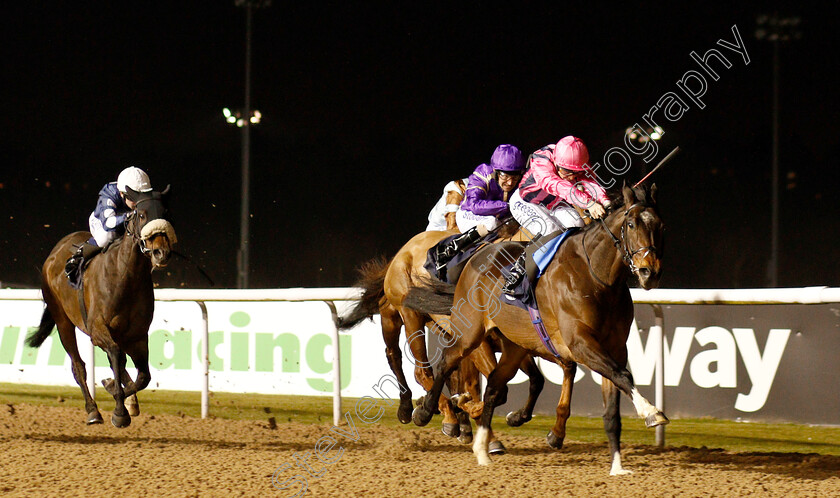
[[485, 200]]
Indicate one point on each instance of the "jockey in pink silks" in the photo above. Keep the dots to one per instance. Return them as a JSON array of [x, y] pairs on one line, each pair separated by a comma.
[[554, 184]]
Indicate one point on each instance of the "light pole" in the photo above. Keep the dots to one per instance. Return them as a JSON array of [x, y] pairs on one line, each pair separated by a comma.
[[775, 29], [245, 124]]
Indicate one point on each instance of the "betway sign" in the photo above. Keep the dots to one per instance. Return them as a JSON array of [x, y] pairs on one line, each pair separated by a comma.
[[755, 362]]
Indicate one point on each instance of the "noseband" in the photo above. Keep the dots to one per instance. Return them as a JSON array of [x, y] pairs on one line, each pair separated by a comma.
[[620, 244]]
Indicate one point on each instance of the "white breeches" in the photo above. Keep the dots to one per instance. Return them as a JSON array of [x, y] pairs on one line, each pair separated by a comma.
[[468, 219], [538, 220], [103, 237]]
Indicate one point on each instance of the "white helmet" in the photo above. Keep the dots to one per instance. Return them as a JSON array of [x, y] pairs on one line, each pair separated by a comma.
[[135, 178]]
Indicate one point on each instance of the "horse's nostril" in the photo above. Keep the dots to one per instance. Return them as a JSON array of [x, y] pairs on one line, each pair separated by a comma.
[[644, 272]]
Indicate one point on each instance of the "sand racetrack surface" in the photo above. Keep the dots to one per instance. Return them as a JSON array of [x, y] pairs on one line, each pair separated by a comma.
[[49, 451]]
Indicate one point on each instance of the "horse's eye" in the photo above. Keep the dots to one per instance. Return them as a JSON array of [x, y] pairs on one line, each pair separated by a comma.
[[630, 224]]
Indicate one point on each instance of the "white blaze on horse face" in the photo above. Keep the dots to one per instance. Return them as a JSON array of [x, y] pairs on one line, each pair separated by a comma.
[[481, 444]]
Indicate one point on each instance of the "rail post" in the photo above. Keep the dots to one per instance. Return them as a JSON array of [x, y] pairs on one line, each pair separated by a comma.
[[657, 338], [336, 365]]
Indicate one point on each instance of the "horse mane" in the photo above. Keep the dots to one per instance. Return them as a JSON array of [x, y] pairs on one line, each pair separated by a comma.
[[643, 196]]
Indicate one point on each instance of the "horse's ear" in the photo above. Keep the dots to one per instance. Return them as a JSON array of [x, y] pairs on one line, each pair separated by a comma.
[[165, 191], [131, 194], [629, 195], [653, 194]]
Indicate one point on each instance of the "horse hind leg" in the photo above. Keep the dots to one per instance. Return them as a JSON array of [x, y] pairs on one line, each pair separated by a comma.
[[391, 325], [536, 382], [67, 336], [612, 425]]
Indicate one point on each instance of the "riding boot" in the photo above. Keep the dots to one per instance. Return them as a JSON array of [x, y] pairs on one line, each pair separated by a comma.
[[517, 272], [73, 268], [453, 247]]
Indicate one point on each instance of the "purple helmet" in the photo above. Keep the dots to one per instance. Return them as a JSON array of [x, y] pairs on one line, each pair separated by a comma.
[[509, 159]]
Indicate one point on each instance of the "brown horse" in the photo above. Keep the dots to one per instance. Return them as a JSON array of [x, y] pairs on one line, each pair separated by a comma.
[[116, 302], [385, 285], [586, 308]]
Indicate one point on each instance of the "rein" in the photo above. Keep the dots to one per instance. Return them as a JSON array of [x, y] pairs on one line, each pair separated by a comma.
[[129, 223]]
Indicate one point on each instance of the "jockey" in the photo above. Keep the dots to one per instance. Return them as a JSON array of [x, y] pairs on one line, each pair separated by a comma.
[[108, 218], [485, 200], [442, 215], [554, 184]]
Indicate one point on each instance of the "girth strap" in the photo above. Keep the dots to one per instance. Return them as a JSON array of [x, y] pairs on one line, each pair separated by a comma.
[[82, 308], [536, 320]]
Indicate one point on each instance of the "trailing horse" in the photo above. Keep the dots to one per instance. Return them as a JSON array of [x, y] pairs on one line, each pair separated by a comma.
[[385, 284], [586, 308], [115, 304]]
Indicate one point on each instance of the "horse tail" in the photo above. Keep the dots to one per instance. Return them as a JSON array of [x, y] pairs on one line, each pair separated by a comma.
[[372, 282], [38, 337], [432, 297]]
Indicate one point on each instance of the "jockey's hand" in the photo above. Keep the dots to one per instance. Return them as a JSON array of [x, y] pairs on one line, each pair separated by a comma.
[[596, 211]]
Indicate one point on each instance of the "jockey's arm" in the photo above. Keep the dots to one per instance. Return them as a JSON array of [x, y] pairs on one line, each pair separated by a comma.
[[453, 200]]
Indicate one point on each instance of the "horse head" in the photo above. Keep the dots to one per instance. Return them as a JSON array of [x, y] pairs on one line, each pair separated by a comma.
[[149, 225], [641, 235]]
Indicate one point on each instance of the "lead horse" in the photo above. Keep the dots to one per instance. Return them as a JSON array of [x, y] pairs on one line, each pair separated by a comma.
[[115, 304], [586, 307]]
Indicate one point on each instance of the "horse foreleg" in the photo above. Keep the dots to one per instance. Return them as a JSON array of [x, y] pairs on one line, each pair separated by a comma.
[[494, 395], [140, 356], [120, 418], [557, 433], [536, 381], [450, 360], [612, 425], [415, 328], [590, 353], [391, 325]]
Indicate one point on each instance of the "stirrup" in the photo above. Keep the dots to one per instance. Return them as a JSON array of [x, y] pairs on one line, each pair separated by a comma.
[[517, 272]]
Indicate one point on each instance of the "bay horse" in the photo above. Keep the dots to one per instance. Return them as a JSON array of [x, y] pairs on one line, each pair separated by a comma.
[[385, 285], [115, 304], [586, 308]]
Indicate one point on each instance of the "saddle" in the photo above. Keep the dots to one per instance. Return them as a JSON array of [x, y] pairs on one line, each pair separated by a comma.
[[537, 257]]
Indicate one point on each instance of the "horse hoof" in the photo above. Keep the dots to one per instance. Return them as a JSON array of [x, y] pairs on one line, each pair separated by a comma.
[[465, 437], [420, 416], [451, 430], [657, 418], [94, 418], [515, 419], [554, 441], [404, 413], [120, 422], [108, 384], [496, 448]]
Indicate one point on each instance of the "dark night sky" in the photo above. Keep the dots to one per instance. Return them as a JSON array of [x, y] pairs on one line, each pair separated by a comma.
[[371, 107]]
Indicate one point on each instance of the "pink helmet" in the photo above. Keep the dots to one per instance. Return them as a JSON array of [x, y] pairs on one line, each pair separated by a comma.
[[571, 153]]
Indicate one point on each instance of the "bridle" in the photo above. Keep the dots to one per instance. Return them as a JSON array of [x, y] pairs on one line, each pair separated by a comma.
[[129, 224], [621, 245]]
